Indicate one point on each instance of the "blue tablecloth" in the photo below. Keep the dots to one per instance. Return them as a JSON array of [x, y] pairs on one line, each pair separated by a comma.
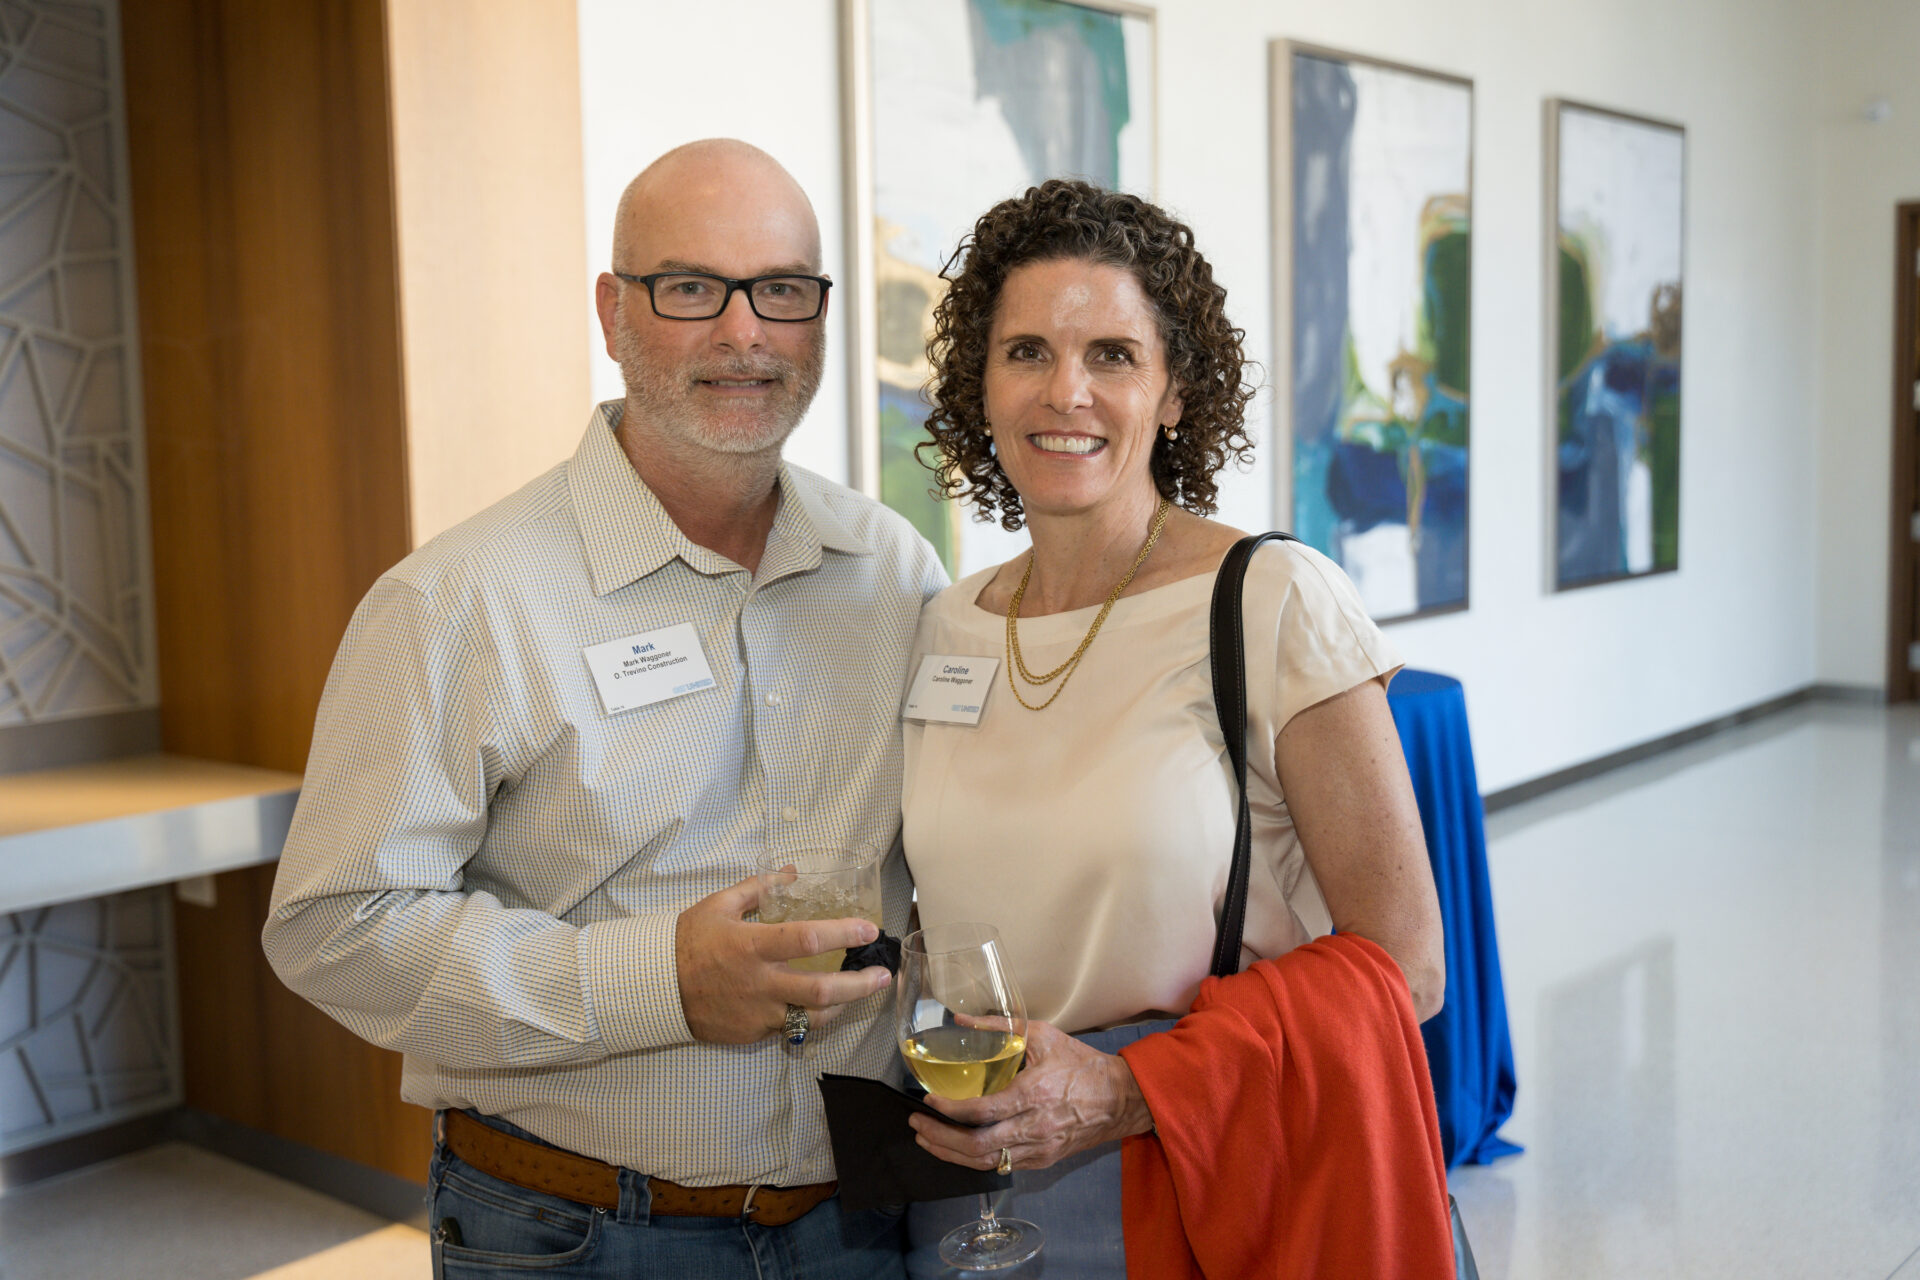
[[1468, 1048]]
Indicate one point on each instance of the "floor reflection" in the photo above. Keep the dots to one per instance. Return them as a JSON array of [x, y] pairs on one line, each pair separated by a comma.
[[1898, 1180], [1712, 964], [1607, 1072]]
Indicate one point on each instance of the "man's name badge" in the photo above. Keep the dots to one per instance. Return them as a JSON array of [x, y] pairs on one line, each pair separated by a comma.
[[640, 670], [950, 690]]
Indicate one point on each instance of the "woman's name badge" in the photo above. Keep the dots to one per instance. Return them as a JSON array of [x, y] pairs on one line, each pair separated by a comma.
[[643, 669], [950, 690]]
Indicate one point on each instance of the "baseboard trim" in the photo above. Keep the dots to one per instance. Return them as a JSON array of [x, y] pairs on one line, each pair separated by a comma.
[[378, 1192], [1506, 797], [395, 1198], [1866, 695], [50, 1160]]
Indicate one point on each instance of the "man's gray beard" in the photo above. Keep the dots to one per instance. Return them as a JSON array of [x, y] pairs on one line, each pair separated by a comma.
[[666, 396]]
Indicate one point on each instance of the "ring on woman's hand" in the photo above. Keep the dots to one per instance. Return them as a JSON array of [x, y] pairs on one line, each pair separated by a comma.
[[797, 1025], [1005, 1166]]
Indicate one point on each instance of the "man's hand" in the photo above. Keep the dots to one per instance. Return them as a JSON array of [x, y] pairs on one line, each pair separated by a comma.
[[735, 983]]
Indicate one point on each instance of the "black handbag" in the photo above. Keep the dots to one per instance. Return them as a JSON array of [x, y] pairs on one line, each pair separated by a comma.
[[1226, 646]]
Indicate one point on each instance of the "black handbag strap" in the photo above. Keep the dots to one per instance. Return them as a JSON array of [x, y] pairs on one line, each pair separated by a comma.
[[1226, 645]]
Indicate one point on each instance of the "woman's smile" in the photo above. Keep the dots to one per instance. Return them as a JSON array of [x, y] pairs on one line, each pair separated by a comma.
[[1053, 442]]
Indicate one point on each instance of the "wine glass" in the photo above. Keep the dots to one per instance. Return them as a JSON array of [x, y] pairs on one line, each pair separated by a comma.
[[963, 1031]]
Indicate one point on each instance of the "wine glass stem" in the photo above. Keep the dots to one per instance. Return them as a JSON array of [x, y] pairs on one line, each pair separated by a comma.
[[986, 1212]]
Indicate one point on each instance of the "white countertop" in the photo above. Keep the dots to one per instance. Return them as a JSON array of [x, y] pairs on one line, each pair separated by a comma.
[[93, 829]]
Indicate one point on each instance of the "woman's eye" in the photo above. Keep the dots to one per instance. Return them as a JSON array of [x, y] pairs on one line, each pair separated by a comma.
[[1116, 355], [1023, 351]]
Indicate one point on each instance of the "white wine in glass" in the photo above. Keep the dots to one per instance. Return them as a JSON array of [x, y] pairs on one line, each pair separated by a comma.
[[962, 1028], [964, 1062]]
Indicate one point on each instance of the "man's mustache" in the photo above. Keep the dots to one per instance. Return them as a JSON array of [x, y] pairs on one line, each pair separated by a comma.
[[772, 368]]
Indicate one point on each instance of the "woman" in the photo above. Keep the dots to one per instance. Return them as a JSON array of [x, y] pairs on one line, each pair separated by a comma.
[[1088, 384]]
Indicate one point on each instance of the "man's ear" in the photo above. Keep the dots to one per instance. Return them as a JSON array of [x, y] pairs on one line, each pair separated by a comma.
[[606, 301]]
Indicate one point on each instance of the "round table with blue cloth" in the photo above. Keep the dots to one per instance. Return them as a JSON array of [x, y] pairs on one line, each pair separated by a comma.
[[1468, 1047]]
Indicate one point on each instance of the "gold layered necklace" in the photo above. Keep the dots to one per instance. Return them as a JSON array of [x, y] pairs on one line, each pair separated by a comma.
[[1064, 672]]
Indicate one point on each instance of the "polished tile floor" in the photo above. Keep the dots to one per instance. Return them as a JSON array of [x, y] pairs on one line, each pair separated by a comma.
[[1712, 967], [1713, 977], [176, 1212]]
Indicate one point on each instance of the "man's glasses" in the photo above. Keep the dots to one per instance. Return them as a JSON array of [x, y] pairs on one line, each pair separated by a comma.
[[690, 295]]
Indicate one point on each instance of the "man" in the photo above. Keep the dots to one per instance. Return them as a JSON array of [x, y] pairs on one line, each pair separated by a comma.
[[551, 746]]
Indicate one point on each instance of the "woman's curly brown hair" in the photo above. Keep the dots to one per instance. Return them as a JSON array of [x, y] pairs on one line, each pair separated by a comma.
[[1064, 218]]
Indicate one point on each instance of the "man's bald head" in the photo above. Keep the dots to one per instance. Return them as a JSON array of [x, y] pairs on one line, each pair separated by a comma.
[[715, 189]]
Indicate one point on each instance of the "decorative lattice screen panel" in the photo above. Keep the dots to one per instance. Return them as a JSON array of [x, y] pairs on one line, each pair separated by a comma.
[[75, 587]]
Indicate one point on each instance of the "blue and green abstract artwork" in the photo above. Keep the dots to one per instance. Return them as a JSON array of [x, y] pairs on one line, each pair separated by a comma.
[[1619, 216], [1381, 326]]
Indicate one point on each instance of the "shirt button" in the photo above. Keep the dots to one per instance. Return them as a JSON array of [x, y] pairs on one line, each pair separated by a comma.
[[773, 699], [790, 813]]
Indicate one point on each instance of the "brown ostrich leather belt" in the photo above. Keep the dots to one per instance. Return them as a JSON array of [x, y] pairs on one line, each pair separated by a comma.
[[584, 1180]]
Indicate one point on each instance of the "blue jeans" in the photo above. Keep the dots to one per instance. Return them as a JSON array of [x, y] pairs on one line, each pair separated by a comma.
[[1076, 1205], [505, 1230]]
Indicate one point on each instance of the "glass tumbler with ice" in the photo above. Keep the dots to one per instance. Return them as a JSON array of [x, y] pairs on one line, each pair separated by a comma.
[[820, 884]]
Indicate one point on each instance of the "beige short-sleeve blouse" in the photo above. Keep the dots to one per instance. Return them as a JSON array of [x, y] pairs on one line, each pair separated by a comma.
[[1096, 834]]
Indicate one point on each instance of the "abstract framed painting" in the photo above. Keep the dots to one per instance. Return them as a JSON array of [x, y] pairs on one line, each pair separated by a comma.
[[952, 106], [1373, 302], [1616, 231]]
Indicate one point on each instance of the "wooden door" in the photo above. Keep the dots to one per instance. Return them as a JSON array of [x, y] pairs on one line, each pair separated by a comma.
[[1903, 611]]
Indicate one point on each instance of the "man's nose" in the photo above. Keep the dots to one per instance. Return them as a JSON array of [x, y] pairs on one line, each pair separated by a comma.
[[737, 325]]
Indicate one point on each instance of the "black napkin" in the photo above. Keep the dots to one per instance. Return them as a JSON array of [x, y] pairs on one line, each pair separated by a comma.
[[884, 949], [879, 1163]]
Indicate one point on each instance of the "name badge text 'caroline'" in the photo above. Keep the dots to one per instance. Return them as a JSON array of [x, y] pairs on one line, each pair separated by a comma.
[[950, 689]]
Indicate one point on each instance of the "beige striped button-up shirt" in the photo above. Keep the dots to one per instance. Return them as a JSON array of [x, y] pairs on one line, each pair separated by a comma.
[[485, 868]]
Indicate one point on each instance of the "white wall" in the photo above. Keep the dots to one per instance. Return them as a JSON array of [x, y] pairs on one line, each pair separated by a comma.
[[1552, 680], [644, 90], [1868, 51]]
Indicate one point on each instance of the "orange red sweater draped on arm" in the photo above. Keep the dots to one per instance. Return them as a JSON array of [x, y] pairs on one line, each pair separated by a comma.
[[1295, 1131]]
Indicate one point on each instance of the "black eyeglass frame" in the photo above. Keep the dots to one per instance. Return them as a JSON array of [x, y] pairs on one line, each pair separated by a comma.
[[746, 285]]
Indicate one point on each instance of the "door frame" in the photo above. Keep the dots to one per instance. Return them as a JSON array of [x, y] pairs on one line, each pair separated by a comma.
[[1903, 552]]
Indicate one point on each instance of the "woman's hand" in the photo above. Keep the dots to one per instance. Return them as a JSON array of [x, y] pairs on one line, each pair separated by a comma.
[[1067, 1098]]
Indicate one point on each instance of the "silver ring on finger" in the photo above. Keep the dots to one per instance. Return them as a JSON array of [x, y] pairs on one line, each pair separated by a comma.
[[797, 1026], [1005, 1166]]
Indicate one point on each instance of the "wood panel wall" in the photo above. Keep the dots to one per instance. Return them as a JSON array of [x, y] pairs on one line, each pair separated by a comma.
[[496, 300], [364, 310], [264, 248], [268, 296]]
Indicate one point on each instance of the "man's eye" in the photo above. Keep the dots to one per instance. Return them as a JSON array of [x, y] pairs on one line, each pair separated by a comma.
[[691, 288], [775, 289]]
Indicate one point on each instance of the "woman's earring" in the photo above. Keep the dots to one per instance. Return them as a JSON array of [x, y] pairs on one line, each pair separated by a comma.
[[1169, 433], [986, 429]]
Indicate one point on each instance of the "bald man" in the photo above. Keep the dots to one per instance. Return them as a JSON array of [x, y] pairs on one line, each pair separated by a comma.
[[552, 745]]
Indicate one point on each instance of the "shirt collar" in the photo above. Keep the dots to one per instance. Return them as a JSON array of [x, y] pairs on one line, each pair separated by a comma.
[[629, 535]]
